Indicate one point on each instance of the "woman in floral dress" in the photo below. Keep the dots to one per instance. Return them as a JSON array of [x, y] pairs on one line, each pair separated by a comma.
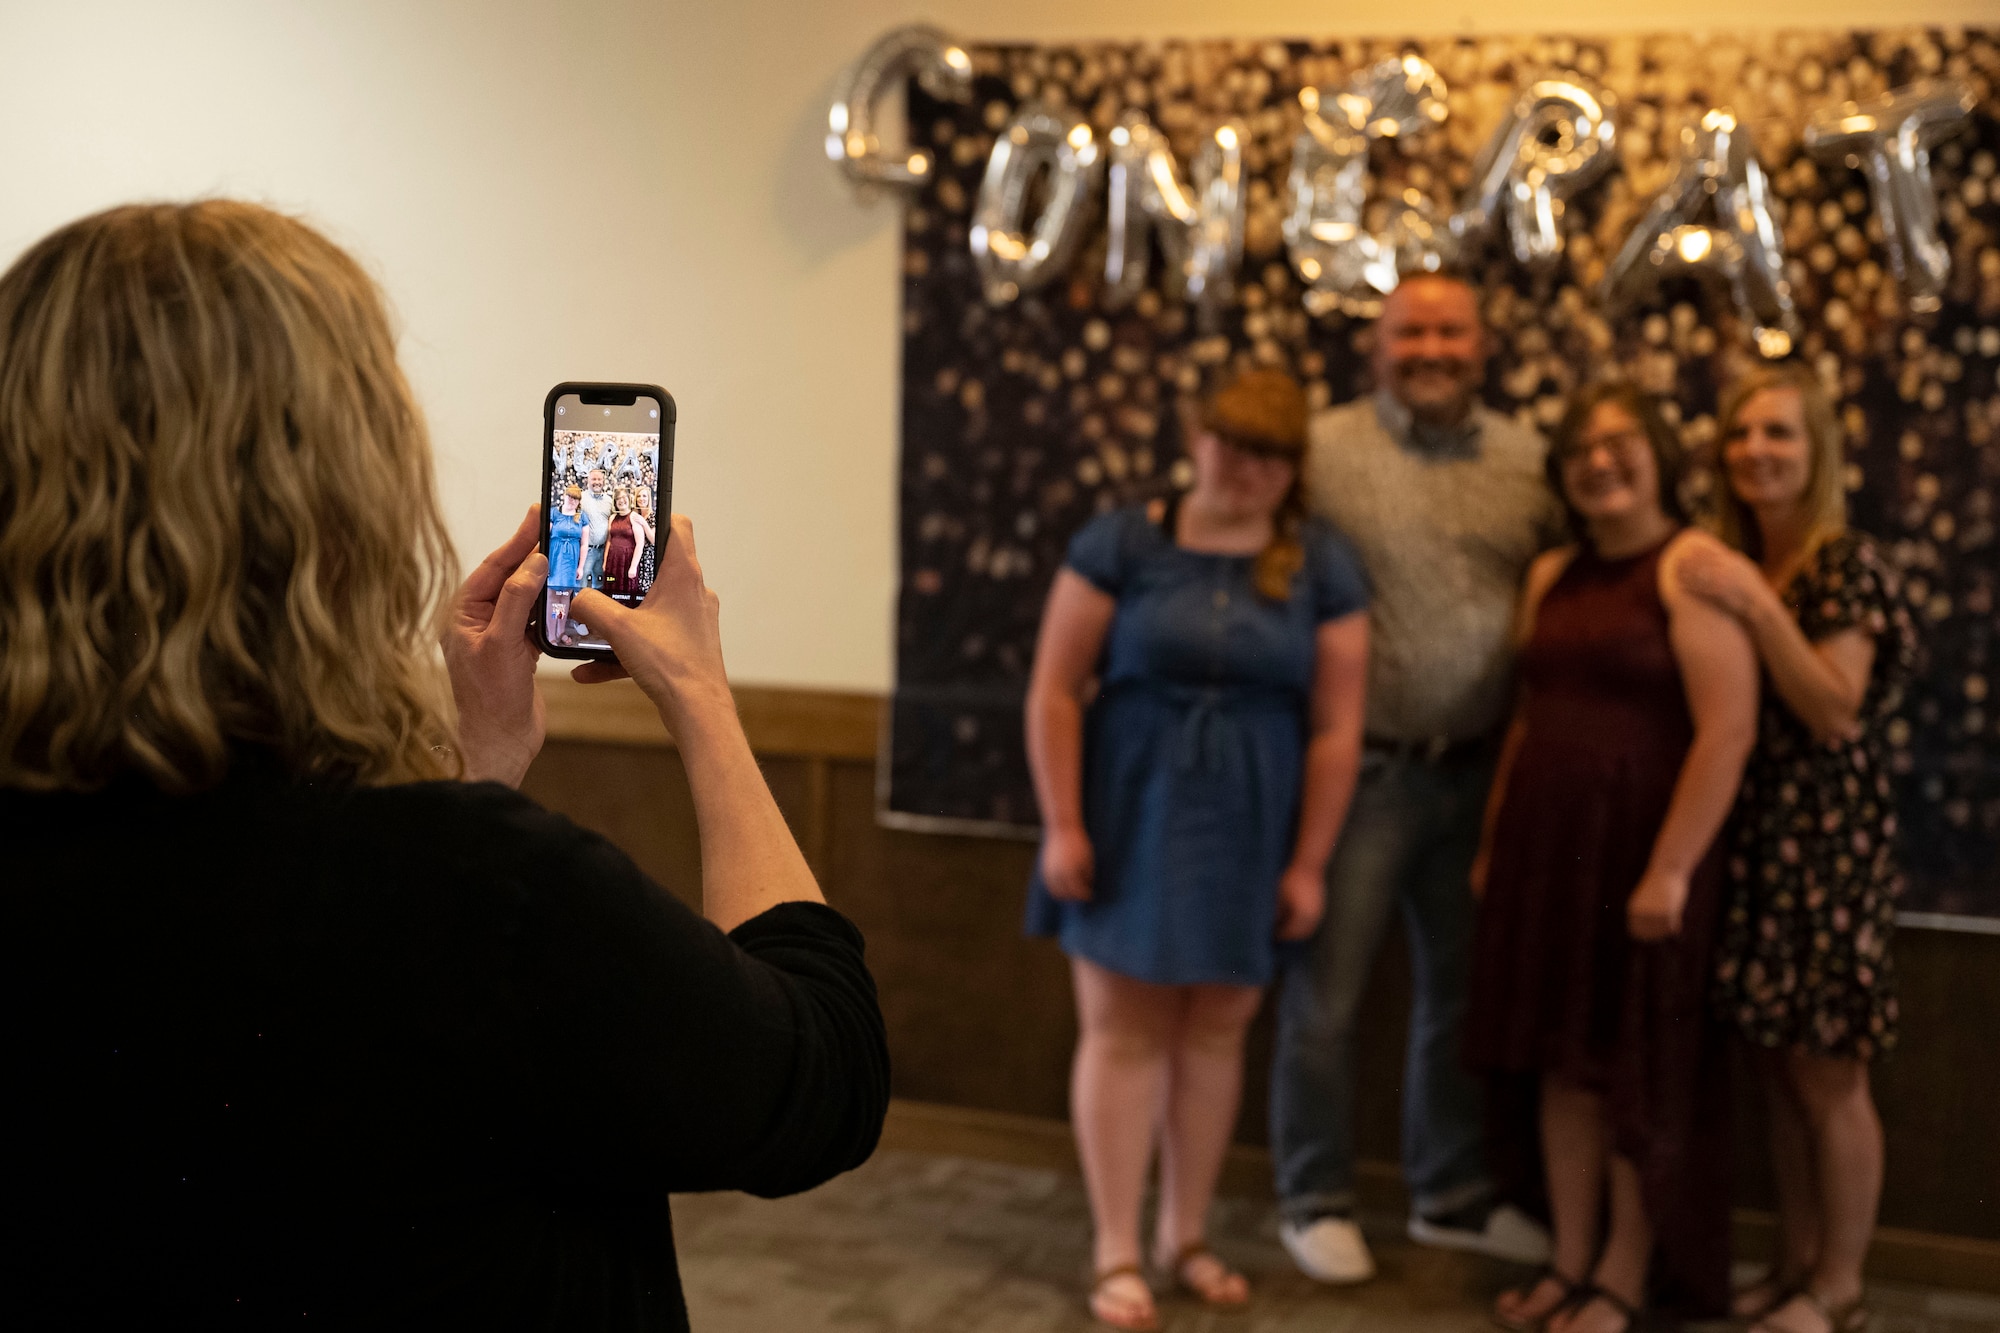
[[1805, 970]]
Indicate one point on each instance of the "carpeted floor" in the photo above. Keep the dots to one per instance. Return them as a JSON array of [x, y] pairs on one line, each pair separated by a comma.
[[918, 1243]]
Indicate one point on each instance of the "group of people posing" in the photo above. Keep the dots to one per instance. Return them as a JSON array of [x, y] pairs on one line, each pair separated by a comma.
[[1623, 776], [602, 531]]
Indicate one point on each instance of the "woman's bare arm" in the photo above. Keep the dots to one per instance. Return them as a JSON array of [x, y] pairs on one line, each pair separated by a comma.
[[1332, 763], [671, 645], [1074, 622], [1719, 673], [1333, 750], [1823, 682]]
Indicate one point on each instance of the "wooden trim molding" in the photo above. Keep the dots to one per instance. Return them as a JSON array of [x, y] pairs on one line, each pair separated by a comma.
[[809, 724]]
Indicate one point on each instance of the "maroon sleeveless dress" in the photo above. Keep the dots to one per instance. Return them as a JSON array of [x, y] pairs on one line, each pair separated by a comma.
[[1558, 985], [620, 544]]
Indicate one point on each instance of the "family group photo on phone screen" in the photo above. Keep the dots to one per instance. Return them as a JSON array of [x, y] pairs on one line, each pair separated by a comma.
[[603, 527]]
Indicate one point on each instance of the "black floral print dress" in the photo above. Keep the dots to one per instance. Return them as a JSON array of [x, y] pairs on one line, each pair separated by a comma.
[[1805, 960]]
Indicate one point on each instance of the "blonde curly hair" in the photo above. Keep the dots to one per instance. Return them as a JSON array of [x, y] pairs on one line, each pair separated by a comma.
[[218, 523]]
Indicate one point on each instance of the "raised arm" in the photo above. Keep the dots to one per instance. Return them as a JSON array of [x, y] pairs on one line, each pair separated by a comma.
[[672, 646], [671, 1056], [1719, 673], [1823, 682], [1333, 758], [1074, 622]]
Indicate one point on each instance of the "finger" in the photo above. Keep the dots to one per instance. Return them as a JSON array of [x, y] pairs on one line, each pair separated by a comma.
[[485, 581], [594, 608], [517, 595], [683, 527], [596, 673]]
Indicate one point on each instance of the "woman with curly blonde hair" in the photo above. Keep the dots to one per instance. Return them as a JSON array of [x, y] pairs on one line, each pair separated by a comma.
[[304, 1025]]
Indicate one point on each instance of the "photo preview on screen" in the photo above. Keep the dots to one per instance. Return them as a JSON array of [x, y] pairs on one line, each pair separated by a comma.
[[603, 502]]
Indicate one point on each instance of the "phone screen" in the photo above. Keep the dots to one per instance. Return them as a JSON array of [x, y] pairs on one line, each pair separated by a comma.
[[603, 506]]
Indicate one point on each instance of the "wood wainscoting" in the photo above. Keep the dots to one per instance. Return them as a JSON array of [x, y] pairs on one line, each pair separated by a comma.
[[980, 1020]]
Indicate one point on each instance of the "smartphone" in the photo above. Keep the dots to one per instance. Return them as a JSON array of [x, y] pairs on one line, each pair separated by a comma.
[[607, 489]]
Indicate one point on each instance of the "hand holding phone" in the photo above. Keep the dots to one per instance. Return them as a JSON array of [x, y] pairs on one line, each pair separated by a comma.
[[672, 644], [607, 480], [491, 662]]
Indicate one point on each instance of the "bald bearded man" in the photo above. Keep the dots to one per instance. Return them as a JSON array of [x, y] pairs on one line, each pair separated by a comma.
[[1446, 502]]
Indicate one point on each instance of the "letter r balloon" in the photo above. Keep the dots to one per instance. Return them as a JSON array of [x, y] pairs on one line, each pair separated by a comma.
[[1556, 139]]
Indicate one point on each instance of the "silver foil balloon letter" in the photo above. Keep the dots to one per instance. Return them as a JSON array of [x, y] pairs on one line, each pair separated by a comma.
[[1200, 228], [1742, 250], [938, 62], [1890, 138], [1347, 267], [1012, 257], [1555, 140]]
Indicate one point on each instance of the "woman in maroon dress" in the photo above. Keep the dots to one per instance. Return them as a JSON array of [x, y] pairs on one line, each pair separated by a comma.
[[1600, 883], [621, 547]]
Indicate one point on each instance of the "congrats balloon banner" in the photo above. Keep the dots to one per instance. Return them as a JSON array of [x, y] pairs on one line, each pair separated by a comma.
[[1093, 231]]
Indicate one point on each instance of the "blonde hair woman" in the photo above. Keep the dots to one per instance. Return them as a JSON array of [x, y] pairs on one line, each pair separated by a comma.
[[310, 1028], [1807, 974]]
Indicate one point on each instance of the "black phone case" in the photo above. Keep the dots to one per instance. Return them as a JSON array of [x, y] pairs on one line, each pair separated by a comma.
[[668, 415]]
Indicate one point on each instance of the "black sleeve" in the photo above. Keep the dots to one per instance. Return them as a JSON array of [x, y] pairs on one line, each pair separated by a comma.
[[660, 1053]]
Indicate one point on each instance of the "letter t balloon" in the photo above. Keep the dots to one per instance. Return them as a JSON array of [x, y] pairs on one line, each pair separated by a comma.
[[1890, 138]]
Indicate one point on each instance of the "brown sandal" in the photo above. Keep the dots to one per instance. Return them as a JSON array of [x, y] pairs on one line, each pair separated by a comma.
[[1197, 1249], [1139, 1323]]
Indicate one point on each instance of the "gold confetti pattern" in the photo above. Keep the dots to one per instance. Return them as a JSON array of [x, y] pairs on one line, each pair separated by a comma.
[[1023, 418]]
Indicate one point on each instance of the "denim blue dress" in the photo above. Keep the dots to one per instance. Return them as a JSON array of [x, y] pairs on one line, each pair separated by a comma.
[[566, 551], [1193, 752]]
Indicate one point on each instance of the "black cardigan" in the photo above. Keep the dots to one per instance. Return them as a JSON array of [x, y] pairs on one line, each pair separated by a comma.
[[421, 1056]]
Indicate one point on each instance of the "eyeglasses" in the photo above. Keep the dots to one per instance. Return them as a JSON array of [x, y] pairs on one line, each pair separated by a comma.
[[1617, 441]]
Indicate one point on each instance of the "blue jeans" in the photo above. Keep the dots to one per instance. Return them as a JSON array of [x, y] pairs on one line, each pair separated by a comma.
[[593, 564], [1410, 839]]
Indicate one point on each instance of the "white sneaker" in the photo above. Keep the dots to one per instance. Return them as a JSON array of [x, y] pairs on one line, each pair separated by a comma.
[[1509, 1234], [1329, 1249]]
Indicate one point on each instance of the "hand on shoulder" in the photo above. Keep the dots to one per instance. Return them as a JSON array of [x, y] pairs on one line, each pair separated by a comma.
[[1699, 564]]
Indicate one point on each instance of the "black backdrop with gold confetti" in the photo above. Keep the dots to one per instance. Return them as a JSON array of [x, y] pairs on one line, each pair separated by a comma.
[[1021, 421]]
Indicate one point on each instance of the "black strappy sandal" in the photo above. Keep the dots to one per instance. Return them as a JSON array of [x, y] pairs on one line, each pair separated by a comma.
[[1546, 1273], [1592, 1292]]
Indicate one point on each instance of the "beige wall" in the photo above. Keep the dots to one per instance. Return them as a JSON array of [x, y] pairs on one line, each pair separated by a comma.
[[721, 255]]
